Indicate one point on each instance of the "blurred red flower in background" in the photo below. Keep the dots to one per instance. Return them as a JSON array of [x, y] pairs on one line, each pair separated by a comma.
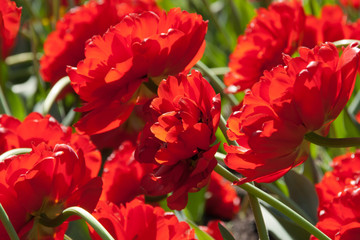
[[124, 67], [122, 175], [9, 26], [36, 129], [45, 182], [178, 138], [351, 3], [223, 201], [140, 221], [271, 125], [339, 199], [65, 46], [271, 33]]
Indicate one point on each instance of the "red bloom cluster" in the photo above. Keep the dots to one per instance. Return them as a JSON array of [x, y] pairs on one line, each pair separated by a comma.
[[9, 26], [281, 29], [275, 115], [141, 50], [43, 183], [36, 129], [137, 220], [122, 175], [178, 137], [272, 32], [223, 201], [339, 199], [65, 46]]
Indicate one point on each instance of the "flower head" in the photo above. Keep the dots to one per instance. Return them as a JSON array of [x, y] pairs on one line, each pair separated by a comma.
[[271, 33], [137, 220], [122, 175], [223, 201], [36, 129], [304, 96], [43, 183], [65, 46], [132, 57], [339, 197], [178, 137], [9, 26]]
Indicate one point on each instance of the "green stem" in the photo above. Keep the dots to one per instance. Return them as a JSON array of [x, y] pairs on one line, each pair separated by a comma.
[[220, 156], [223, 128], [21, 58], [288, 201], [4, 102], [216, 82], [345, 42], [215, 20], [12, 152], [251, 189], [220, 70], [236, 14], [54, 93], [332, 142], [255, 206], [259, 219], [7, 224], [77, 211], [3, 77], [56, 12]]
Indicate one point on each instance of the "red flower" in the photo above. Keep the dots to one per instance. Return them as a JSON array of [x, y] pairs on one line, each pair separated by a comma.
[[45, 182], [223, 201], [178, 138], [330, 27], [36, 129], [272, 32], [122, 175], [339, 199], [275, 116], [351, 3], [142, 48], [140, 221], [65, 46], [9, 26], [346, 173]]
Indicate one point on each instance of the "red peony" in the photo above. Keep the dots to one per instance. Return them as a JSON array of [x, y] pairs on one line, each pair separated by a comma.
[[44, 183], [179, 136], [9, 26], [121, 68], [271, 33], [275, 116], [339, 199], [223, 201], [122, 175], [36, 129], [65, 46], [140, 221]]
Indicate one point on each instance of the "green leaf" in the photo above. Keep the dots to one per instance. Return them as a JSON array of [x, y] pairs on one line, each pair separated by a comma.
[[303, 192], [16, 105], [225, 233], [196, 205], [279, 226], [201, 235], [78, 230]]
